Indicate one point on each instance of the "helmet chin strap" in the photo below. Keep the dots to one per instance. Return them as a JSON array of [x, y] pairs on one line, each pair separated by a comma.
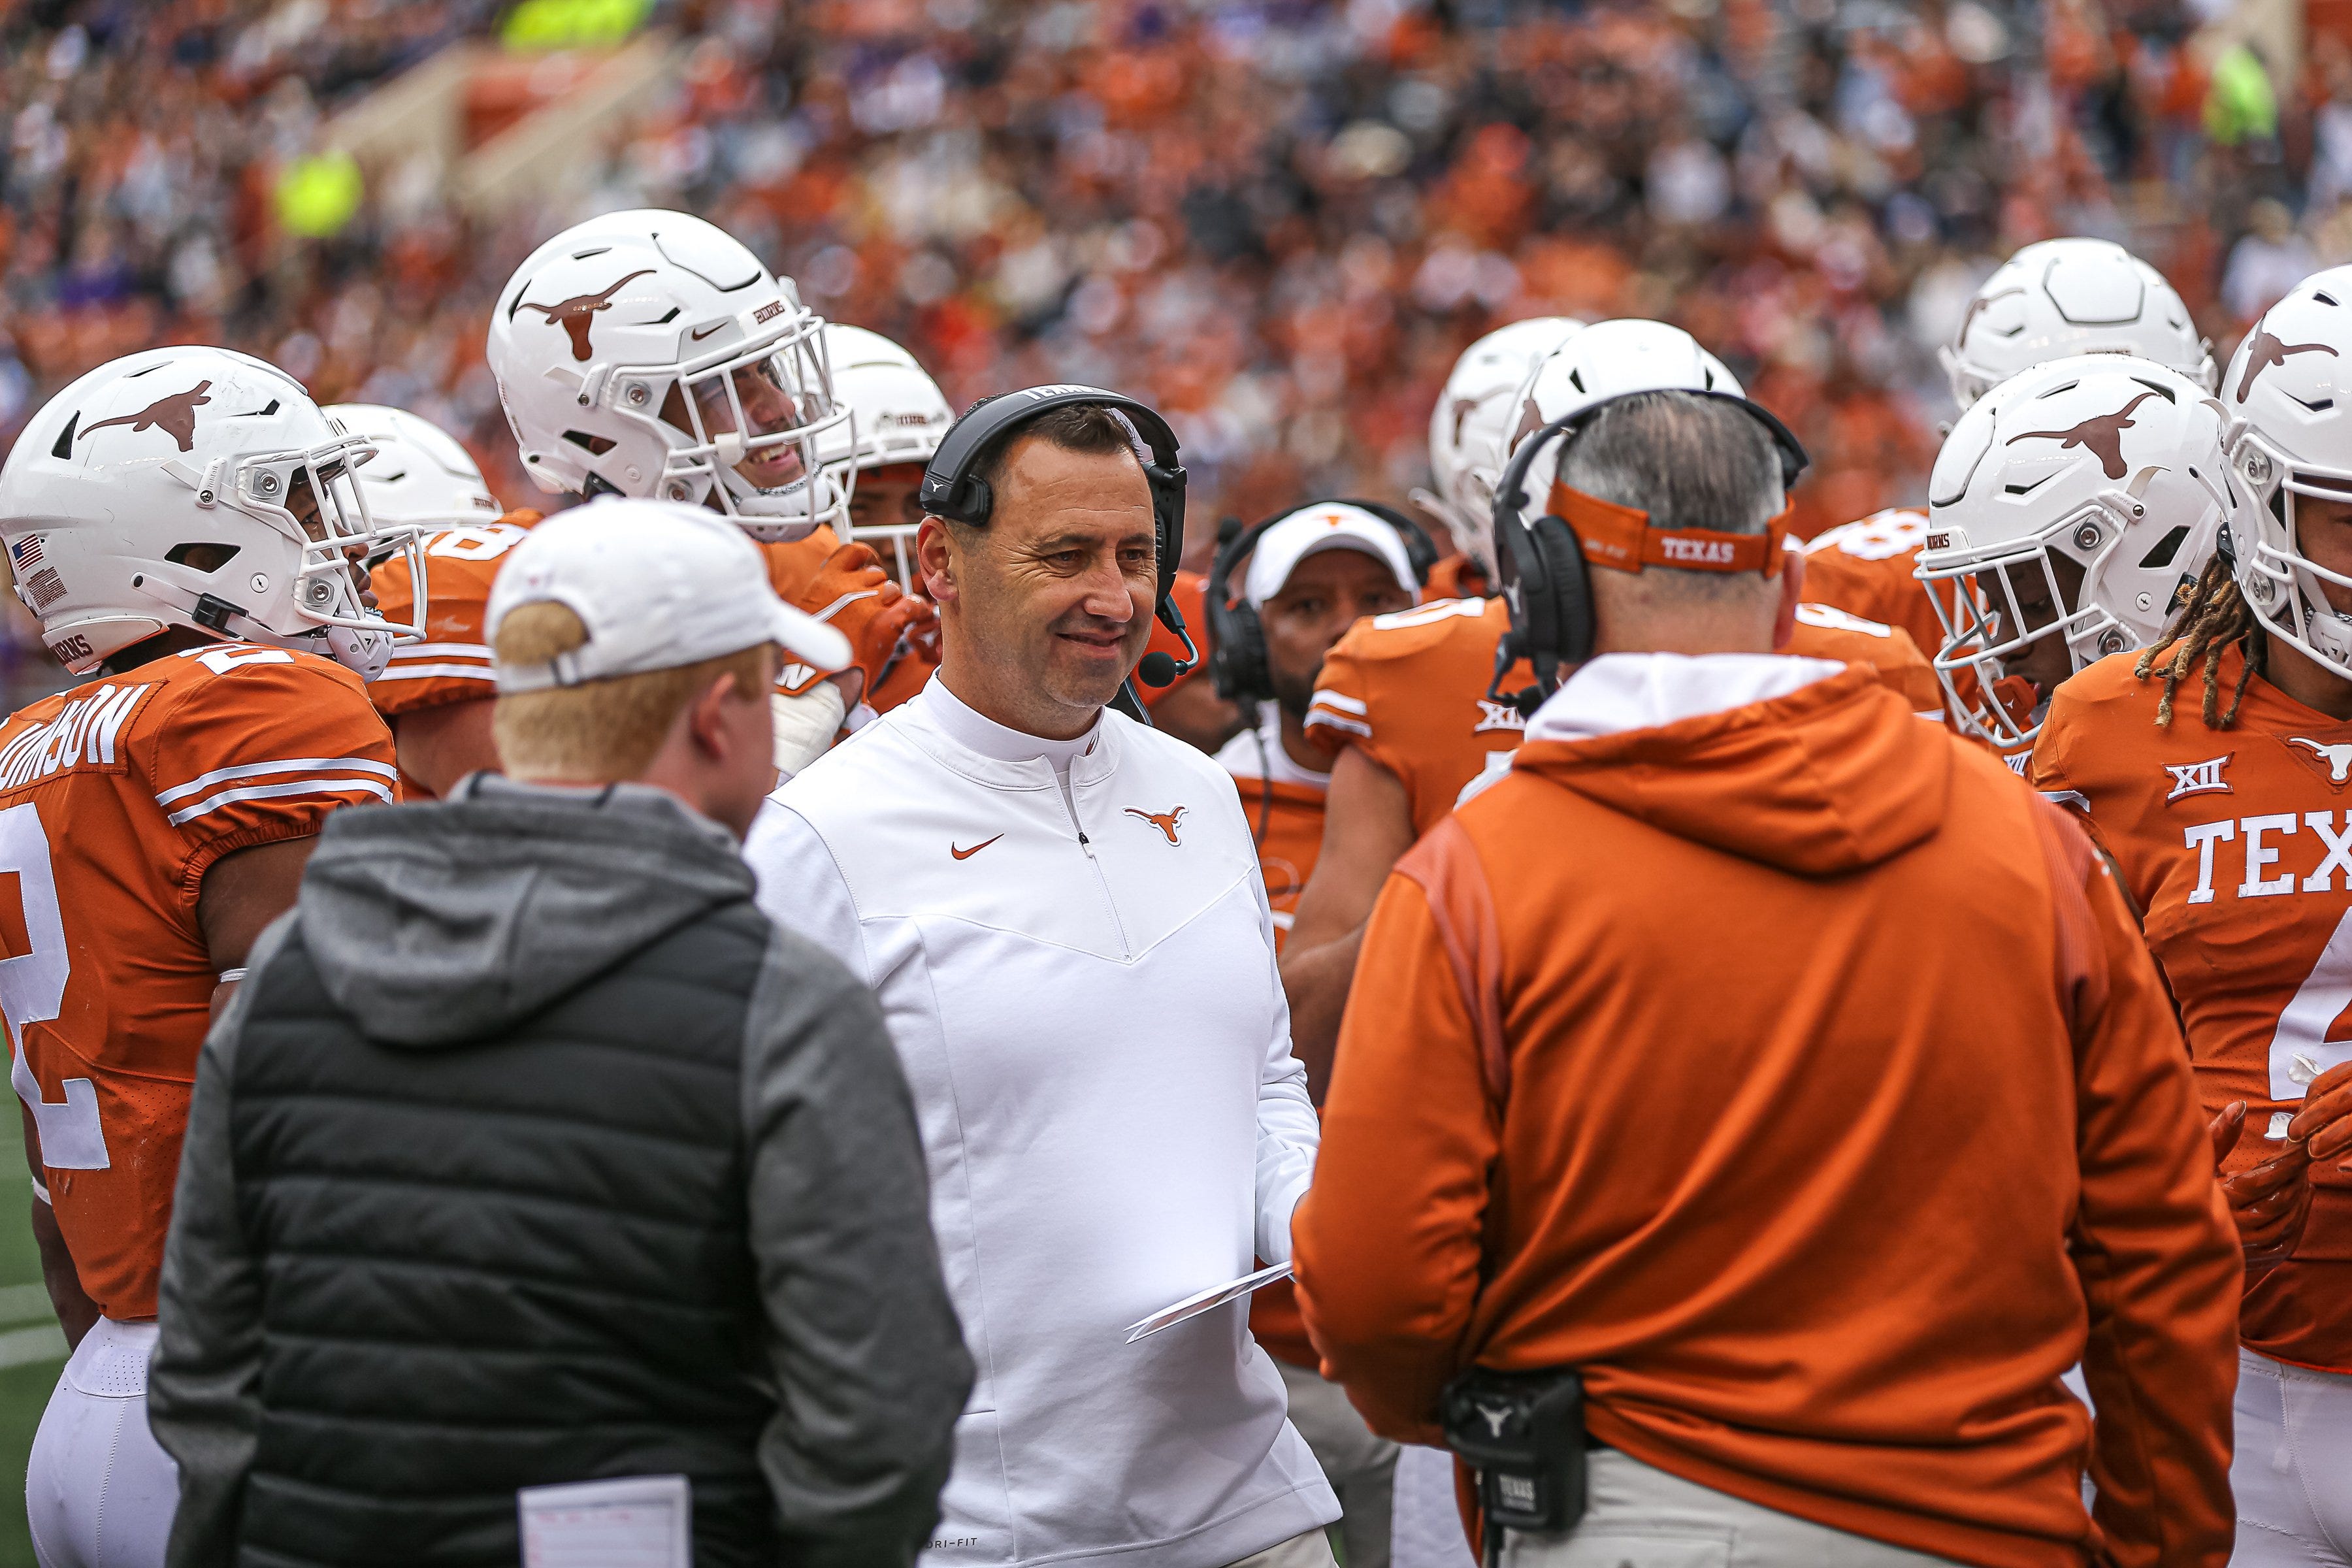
[[364, 652]]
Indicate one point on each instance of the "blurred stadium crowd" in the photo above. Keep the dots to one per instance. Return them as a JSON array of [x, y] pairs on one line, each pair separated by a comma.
[[1279, 220]]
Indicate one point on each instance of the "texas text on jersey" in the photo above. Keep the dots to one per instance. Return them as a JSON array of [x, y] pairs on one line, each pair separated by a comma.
[[115, 799], [1409, 690], [2238, 846], [453, 663]]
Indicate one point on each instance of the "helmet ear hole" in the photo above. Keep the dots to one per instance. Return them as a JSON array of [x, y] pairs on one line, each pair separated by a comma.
[[596, 446], [201, 556]]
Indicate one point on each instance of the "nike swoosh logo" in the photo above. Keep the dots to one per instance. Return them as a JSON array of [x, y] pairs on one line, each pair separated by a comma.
[[705, 331], [968, 853]]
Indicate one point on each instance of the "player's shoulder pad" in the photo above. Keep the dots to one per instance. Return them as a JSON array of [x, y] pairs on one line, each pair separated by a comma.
[[1405, 634]]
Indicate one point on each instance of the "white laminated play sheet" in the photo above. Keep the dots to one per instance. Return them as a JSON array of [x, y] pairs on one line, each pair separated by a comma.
[[636, 1521]]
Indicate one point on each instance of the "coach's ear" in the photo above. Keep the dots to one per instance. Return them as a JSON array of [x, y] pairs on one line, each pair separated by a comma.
[[937, 556], [1792, 594]]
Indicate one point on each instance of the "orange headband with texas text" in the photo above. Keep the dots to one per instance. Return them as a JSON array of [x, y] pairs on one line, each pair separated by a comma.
[[1620, 537]]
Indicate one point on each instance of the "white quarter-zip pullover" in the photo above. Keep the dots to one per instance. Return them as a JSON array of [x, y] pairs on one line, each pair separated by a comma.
[[1080, 981]]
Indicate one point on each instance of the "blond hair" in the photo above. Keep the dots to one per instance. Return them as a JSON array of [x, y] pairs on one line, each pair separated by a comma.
[[604, 729]]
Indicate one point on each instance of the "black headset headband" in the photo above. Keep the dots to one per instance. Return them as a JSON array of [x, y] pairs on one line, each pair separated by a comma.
[[1544, 577], [952, 490]]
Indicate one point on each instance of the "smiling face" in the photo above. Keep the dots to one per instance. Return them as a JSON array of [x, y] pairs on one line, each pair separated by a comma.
[[768, 410], [1045, 610], [1325, 595]]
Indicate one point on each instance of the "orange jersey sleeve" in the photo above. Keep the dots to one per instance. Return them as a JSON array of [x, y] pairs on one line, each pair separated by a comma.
[[115, 799], [1865, 568], [1824, 632], [2236, 847], [453, 663], [1409, 690]]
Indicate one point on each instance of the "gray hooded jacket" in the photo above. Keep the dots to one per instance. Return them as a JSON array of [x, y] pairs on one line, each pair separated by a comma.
[[522, 1001]]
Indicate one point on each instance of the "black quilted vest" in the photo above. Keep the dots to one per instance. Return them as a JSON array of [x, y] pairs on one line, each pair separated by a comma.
[[512, 1262]]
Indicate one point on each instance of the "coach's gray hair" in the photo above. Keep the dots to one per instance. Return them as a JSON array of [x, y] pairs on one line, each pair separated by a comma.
[[1688, 460]]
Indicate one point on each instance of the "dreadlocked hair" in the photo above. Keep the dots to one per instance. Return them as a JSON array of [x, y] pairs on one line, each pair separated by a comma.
[[2215, 619]]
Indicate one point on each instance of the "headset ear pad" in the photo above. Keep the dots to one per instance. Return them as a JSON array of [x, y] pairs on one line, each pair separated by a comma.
[[1237, 659], [1567, 588]]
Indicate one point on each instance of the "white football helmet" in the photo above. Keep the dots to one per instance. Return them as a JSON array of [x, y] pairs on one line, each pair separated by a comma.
[[195, 487], [2287, 389], [1469, 428], [649, 354], [2062, 297], [898, 414], [1606, 360], [2116, 465], [420, 475]]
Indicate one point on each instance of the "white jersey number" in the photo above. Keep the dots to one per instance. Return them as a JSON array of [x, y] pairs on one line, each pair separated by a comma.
[[487, 542], [33, 989], [2300, 1049]]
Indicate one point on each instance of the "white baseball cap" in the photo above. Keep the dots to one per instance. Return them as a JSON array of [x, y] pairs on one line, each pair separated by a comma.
[[658, 585], [1325, 525]]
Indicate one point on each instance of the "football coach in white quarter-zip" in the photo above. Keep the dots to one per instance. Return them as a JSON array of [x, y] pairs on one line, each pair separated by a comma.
[[1060, 911]]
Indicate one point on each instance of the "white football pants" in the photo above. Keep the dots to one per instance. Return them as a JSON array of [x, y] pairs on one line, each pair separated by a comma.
[[98, 1491], [1638, 1516], [2293, 1466]]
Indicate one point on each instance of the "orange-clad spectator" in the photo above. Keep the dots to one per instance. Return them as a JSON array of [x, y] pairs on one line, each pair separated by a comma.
[[1303, 579], [1654, 1077]]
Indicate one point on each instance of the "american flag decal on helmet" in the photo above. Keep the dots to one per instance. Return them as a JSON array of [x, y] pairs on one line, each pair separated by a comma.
[[26, 552]]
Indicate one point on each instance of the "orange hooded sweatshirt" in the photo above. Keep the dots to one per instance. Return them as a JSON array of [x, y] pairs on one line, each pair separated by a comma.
[[1795, 1073]]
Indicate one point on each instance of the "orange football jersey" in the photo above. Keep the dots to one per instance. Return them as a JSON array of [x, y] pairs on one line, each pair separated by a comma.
[[453, 663], [1283, 804], [2237, 844], [1865, 568], [115, 798], [1409, 690], [1825, 632]]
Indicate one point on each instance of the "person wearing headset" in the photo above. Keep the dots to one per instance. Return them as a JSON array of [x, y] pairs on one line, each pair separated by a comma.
[[1059, 910], [1749, 1023], [1302, 579]]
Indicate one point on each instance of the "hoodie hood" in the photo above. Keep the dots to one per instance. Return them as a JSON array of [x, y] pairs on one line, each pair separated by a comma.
[[1807, 767], [443, 923]]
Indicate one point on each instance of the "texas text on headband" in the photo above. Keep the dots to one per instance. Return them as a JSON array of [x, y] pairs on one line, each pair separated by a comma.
[[1623, 539]]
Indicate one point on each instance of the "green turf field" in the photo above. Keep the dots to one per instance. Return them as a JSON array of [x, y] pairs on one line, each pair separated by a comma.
[[31, 1348]]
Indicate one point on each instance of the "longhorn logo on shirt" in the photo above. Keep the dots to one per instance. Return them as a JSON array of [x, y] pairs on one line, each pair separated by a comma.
[[175, 415], [1165, 821], [575, 314], [2199, 778], [2336, 756], [2267, 353], [2102, 435]]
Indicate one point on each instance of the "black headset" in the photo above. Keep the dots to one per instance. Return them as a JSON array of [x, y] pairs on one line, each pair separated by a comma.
[[950, 489], [1237, 660], [1541, 566]]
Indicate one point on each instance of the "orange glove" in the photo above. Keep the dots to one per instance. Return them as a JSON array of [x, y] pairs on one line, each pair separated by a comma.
[[850, 591]]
